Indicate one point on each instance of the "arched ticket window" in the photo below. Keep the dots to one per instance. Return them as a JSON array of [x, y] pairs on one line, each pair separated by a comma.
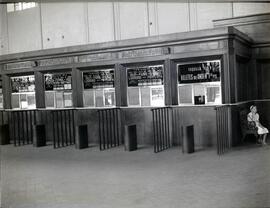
[[58, 90], [145, 86], [199, 83], [23, 92], [99, 90]]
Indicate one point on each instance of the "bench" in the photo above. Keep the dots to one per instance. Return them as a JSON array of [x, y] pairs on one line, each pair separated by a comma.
[[245, 130]]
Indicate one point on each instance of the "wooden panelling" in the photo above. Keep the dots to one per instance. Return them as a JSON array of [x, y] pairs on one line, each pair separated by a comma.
[[63, 24], [133, 15], [172, 17], [100, 22], [24, 30]]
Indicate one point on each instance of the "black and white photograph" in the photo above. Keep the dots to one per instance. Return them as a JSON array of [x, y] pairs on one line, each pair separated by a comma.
[[135, 104]]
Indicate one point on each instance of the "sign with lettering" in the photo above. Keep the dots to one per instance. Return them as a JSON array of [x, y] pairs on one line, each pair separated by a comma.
[[23, 84], [96, 57], [56, 61], [207, 71], [20, 65], [58, 81], [98, 79], [141, 53], [145, 76]]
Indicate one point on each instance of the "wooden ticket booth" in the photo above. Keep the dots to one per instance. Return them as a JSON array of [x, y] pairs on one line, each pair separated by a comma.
[[161, 84]]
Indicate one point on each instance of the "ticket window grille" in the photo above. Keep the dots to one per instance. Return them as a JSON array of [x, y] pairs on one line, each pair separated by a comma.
[[58, 90], [23, 92], [99, 90], [199, 83], [145, 86]]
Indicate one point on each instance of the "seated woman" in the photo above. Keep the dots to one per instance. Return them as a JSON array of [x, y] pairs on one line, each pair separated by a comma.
[[254, 116]]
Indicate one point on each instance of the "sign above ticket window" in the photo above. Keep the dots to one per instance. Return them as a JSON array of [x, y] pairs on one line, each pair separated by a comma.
[[58, 81], [23, 84], [98, 79], [207, 71], [145, 76]]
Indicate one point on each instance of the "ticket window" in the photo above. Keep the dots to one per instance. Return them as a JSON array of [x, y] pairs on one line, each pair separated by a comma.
[[1, 94], [199, 83], [99, 90], [145, 86], [23, 92], [58, 90]]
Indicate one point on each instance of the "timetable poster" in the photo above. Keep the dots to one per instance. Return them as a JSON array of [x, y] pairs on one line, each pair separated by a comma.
[[23, 84], [98, 79], [208, 71], [145, 76], [59, 81]]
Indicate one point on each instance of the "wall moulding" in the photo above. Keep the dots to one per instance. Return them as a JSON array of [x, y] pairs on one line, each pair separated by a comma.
[[56, 61], [95, 57], [20, 65]]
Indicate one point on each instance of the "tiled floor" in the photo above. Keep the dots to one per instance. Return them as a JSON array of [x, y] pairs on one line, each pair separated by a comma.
[[69, 178]]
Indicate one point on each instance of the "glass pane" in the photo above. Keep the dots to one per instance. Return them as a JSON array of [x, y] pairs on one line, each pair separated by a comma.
[[24, 103], [157, 96], [99, 98], [199, 94], [31, 101], [59, 99], [49, 99], [1, 101], [185, 94], [68, 99], [133, 96], [18, 6], [213, 95], [109, 96], [145, 96], [10, 7], [89, 97], [15, 101]]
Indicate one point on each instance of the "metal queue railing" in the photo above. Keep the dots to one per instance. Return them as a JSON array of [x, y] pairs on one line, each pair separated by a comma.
[[63, 122], [161, 128], [21, 126], [110, 128], [223, 137]]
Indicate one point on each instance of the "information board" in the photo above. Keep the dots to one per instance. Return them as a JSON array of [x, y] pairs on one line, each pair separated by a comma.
[[145, 76], [98, 79], [23, 84], [58, 81], [208, 71]]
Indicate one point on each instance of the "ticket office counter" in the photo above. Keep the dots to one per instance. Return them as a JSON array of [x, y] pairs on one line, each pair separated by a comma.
[[198, 83]]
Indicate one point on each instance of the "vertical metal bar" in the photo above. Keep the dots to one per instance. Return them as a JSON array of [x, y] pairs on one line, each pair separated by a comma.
[[54, 129], [99, 128], [26, 128], [109, 127], [61, 128], [31, 128], [114, 127], [103, 129], [69, 127], [154, 129], [65, 127], [166, 127], [119, 127], [73, 126]]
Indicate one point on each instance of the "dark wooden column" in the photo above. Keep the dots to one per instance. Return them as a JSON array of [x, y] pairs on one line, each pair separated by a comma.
[[6, 91], [232, 73], [174, 83], [39, 89], [167, 82], [120, 85], [77, 88]]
